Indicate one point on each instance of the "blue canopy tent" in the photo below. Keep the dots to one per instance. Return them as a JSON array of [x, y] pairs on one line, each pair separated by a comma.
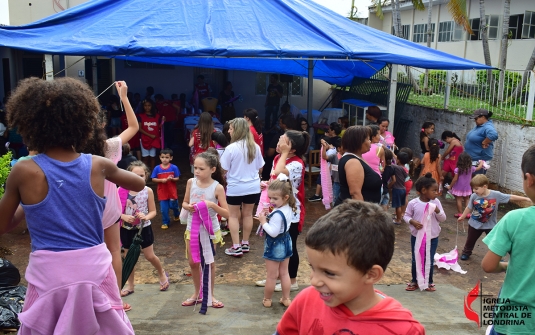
[[297, 37]]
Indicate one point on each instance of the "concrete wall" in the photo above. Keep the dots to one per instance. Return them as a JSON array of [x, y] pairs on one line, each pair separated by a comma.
[[508, 149]]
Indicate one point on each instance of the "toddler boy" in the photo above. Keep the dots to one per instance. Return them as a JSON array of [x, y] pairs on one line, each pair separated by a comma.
[[166, 175], [483, 205], [345, 267], [513, 235]]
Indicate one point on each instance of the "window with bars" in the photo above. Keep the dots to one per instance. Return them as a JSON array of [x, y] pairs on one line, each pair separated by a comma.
[[450, 31], [528, 28], [262, 83], [515, 26], [493, 27], [406, 29], [420, 33]]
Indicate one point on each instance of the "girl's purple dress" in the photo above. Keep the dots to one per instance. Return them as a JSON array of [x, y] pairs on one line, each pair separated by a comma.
[[462, 187]]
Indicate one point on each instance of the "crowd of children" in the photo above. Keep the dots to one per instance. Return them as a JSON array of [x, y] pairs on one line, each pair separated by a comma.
[[80, 239]]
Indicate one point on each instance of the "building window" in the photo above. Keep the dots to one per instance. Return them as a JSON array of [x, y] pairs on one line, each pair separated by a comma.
[[493, 26], [406, 30], [420, 33], [515, 26], [450, 31], [528, 29], [262, 83]]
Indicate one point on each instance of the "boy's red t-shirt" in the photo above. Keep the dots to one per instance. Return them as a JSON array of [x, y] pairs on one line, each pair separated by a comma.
[[308, 314]]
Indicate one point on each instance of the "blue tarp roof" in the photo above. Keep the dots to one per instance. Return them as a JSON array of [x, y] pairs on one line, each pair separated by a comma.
[[258, 35]]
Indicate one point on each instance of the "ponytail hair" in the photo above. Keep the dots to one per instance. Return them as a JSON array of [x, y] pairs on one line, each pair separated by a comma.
[[252, 115], [300, 141], [447, 134], [285, 189], [212, 160], [434, 149], [426, 125]]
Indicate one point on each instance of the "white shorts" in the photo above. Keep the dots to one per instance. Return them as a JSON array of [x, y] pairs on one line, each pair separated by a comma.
[[147, 152]]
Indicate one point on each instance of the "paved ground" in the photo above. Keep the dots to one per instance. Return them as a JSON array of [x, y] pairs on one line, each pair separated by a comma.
[[154, 312]]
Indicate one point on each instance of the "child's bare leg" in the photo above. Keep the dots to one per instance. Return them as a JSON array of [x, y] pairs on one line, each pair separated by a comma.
[[285, 278], [466, 199], [155, 261], [112, 239], [272, 268], [459, 201], [398, 214], [195, 274]]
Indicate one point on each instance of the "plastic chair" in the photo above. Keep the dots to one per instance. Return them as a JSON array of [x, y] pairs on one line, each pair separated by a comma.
[[313, 165], [209, 104]]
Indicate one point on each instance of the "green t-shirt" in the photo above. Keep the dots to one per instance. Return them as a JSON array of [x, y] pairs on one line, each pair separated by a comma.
[[514, 235]]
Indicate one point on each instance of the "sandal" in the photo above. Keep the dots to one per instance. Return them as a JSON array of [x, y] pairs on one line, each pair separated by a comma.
[[412, 286], [191, 302], [126, 307], [458, 215], [165, 285], [267, 302], [285, 302], [431, 288], [125, 293], [217, 304]]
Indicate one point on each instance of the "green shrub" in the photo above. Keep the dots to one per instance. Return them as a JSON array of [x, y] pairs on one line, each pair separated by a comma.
[[437, 80], [5, 168], [511, 81]]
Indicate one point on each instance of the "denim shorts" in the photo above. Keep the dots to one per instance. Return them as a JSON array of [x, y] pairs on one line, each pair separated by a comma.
[[279, 248], [385, 198]]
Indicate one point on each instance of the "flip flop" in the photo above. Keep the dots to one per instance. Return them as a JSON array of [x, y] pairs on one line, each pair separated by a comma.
[[431, 288], [217, 304], [191, 302], [165, 285], [411, 287], [125, 293], [126, 307]]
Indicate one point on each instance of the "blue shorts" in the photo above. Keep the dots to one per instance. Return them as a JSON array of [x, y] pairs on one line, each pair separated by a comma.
[[398, 197], [279, 248], [385, 198]]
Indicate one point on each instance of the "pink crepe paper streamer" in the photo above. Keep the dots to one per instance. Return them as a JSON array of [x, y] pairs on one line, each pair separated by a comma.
[[448, 261], [422, 248], [326, 184], [263, 203]]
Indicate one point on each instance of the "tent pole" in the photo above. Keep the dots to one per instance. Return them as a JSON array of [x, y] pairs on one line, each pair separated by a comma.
[[310, 89], [392, 96], [49, 67], [95, 74]]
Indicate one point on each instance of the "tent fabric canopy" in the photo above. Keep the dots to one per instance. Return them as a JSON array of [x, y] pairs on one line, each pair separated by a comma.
[[234, 34]]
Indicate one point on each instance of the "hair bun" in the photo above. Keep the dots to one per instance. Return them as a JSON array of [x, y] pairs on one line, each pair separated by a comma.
[[428, 175]]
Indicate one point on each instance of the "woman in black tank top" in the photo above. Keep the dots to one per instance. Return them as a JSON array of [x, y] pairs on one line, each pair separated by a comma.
[[357, 180]]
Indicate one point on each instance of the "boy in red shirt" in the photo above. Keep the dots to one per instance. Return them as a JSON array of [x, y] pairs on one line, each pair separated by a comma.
[[348, 250], [166, 175]]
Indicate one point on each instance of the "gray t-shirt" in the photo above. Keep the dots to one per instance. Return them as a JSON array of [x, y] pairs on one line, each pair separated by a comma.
[[333, 159], [485, 209]]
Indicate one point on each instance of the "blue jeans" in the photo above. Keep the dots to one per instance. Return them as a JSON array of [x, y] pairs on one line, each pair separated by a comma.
[[336, 190], [271, 112], [434, 245], [165, 205]]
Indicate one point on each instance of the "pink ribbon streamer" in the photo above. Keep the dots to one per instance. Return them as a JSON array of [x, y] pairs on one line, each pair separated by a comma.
[[263, 203], [199, 218], [422, 248], [326, 184]]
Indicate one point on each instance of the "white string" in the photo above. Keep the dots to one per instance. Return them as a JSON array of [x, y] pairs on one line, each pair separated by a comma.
[[106, 90]]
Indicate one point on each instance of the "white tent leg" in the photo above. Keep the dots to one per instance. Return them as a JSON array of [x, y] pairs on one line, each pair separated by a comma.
[[49, 67], [392, 96]]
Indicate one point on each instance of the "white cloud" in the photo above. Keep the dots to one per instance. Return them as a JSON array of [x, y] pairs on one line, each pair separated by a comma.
[[343, 7]]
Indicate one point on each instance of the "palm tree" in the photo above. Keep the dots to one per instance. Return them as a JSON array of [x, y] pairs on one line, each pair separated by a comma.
[[503, 52]]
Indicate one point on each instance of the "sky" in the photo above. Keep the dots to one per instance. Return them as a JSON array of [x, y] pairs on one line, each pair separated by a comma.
[[343, 7]]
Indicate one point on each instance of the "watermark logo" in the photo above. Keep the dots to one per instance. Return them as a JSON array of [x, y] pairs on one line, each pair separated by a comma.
[[494, 311]]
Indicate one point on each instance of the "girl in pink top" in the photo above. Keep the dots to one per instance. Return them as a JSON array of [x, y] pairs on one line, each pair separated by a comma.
[[376, 156], [427, 187], [387, 138]]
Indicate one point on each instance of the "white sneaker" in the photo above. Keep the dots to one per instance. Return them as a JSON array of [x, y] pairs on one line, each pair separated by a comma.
[[262, 283], [294, 287]]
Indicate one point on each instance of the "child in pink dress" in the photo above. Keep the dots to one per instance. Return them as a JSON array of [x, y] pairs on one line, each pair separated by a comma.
[[460, 185]]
